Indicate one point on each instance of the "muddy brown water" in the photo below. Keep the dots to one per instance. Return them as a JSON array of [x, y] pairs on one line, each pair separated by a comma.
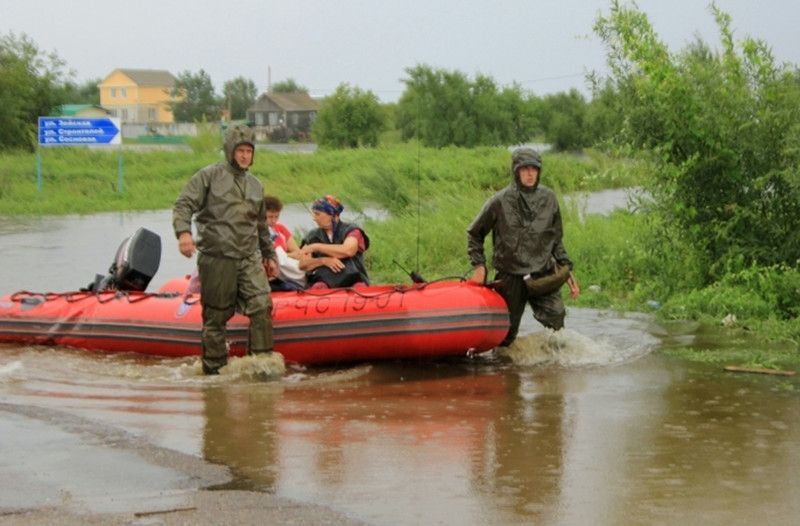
[[593, 425]]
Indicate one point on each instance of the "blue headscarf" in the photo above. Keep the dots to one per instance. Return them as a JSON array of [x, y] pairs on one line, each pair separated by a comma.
[[328, 204]]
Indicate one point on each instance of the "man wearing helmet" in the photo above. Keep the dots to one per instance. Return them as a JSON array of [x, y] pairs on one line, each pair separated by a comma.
[[233, 243], [525, 222]]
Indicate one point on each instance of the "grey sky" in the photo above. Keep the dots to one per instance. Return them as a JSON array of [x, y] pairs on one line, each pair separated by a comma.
[[545, 45]]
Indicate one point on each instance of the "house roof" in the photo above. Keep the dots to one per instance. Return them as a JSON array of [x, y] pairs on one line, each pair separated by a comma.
[[69, 110], [289, 101], [150, 77]]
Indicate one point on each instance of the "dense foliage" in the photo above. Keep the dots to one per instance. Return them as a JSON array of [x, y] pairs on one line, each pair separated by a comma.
[[288, 86], [446, 108], [194, 98], [87, 92], [443, 108], [723, 129], [564, 116], [31, 85], [349, 118], [239, 94]]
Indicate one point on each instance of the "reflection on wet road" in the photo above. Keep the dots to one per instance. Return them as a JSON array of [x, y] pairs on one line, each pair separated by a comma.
[[473, 441]]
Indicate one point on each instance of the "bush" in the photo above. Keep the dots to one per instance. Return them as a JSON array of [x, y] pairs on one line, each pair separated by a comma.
[[348, 119], [722, 129], [755, 293], [207, 140]]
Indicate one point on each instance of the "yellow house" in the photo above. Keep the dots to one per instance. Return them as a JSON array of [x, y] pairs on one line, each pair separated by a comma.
[[138, 95]]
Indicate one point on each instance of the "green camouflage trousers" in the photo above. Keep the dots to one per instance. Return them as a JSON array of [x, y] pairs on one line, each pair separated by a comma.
[[228, 285], [548, 310]]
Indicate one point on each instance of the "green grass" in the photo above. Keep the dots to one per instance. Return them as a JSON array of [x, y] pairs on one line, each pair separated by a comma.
[[779, 359], [76, 180], [83, 181]]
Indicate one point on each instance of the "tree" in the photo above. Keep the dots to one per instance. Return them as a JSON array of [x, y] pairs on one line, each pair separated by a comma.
[[722, 127], [30, 86], [194, 98], [349, 118], [442, 107], [564, 115], [240, 93], [604, 120], [288, 86], [86, 93]]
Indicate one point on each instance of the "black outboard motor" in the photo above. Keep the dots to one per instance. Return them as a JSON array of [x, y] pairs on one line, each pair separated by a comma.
[[134, 265]]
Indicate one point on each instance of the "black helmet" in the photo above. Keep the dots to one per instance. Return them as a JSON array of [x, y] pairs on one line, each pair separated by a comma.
[[525, 156]]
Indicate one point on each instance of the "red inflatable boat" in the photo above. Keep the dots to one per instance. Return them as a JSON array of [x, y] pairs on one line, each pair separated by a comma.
[[310, 327], [114, 314]]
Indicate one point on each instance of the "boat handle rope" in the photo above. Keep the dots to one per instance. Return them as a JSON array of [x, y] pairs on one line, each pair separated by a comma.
[[22, 295], [76, 296], [135, 297], [402, 289], [321, 293]]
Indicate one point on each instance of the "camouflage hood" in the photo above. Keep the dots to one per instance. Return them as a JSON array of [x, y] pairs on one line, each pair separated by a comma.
[[525, 156], [236, 136]]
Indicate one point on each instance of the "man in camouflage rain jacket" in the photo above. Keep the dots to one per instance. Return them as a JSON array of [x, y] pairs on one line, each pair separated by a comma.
[[233, 241], [525, 222]]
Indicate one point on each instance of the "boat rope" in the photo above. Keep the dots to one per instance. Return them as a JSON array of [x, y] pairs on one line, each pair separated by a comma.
[[26, 296], [321, 293], [402, 289]]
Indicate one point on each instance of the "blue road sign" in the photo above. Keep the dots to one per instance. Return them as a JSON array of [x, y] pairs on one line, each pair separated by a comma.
[[76, 131]]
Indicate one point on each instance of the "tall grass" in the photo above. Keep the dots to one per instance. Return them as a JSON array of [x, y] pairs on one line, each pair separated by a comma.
[[77, 180], [80, 181], [207, 139]]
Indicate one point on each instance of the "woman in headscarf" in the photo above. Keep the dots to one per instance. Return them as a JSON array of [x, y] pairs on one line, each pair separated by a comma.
[[333, 253]]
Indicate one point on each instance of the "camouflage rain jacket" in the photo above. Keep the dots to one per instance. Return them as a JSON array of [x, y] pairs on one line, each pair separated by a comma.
[[227, 205], [525, 224]]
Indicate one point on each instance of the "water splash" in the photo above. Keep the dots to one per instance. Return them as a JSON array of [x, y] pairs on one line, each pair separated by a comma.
[[270, 366], [567, 348], [10, 372]]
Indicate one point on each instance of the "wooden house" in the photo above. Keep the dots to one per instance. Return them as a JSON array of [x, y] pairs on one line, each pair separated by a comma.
[[282, 116]]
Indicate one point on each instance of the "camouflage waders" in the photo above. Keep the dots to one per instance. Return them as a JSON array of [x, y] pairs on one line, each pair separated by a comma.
[[548, 310], [228, 285]]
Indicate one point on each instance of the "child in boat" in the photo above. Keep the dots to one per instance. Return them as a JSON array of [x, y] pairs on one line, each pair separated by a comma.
[[290, 276]]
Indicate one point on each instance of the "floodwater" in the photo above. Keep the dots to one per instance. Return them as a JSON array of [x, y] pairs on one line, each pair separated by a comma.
[[592, 425]]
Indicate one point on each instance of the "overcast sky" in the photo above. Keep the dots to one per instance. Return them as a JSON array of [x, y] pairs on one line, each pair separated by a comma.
[[545, 45]]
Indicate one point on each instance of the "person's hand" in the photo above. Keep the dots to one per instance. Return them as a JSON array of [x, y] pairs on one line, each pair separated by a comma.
[[479, 274], [272, 268], [335, 264], [186, 244], [307, 250], [574, 289]]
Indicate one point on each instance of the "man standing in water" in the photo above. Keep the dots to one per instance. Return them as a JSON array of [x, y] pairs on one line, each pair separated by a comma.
[[227, 203], [525, 222]]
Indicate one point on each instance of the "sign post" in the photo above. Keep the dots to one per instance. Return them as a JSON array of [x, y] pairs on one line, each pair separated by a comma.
[[79, 131]]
